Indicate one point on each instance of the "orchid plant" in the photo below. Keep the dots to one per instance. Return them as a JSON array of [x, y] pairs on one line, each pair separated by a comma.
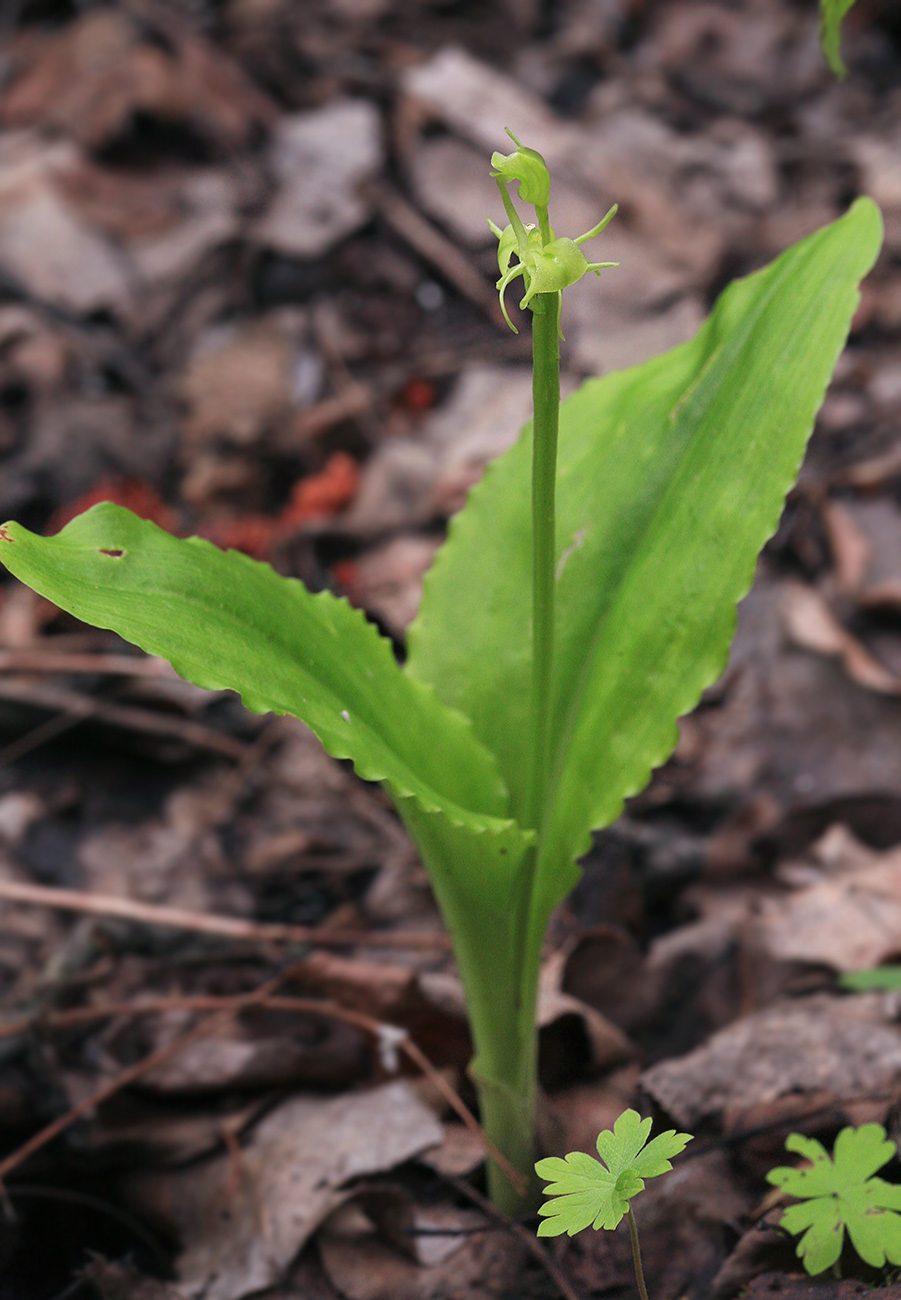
[[584, 599]]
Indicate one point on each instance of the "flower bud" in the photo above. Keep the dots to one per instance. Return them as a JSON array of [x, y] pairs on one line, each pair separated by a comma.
[[529, 168]]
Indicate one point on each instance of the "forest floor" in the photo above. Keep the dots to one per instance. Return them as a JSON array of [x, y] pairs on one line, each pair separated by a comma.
[[246, 288]]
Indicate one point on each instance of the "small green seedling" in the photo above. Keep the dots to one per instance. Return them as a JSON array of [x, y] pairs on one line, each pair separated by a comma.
[[831, 14], [883, 979], [586, 1192], [839, 1192], [584, 600]]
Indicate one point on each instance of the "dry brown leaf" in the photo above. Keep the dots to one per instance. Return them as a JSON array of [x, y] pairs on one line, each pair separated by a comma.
[[89, 79], [882, 596], [321, 160], [244, 1219], [605, 968], [607, 337], [567, 1026], [120, 1281], [127, 205], [410, 480], [799, 1287], [317, 1052], [879, 161], [479, 103], [849, 1047], [571, 1118], [878, 520], [32, 351], [387, 580], [238, 386], [44, 242], [454, 186], [849, 921], [851, 550], [361, 1266], [810, 623], [874, 472], [788, 724], [173, 858]]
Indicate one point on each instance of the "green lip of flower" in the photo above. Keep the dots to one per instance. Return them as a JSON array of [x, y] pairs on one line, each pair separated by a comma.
[[547, 264]]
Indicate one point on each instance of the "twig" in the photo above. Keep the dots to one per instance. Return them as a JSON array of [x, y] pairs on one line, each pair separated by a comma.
[[79, 707], [37, 659], [436, 248], [377, 1029], [133, 1073], [319, 418], [71, 1196], [40, 735], [519, 1230], [176, 918]]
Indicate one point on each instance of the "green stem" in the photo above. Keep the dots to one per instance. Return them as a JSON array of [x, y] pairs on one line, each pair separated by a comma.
[[636, 1256], [546, 415], [509, 1048], [507, 1108], [508, 1090], [499, 971], [544, 225]]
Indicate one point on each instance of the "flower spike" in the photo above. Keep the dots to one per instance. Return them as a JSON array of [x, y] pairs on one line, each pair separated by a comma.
[[547, 264]]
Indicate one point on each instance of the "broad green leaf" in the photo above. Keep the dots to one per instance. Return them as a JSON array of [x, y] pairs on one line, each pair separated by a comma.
[[584, 1191], [831, 14], [655, 1158], [672, 475], [228, 622], [475, 874], [473, 869], [581, 1198]]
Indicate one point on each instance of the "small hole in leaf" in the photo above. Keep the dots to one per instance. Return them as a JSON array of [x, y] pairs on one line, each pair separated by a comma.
[[115, 554]]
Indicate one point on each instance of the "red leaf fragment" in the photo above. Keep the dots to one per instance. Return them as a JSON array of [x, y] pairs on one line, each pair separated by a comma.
[[133, 493]]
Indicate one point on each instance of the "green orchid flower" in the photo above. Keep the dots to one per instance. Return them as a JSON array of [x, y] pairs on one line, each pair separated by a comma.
[[548, 264]]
